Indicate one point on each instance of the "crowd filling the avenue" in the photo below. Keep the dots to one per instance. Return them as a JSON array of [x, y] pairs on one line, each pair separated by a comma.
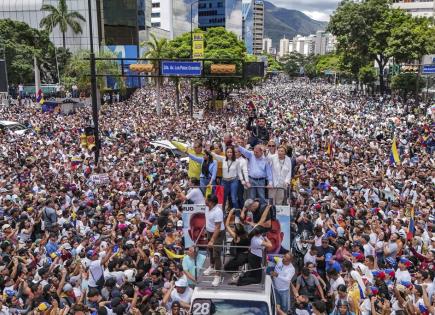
[[336, 187]]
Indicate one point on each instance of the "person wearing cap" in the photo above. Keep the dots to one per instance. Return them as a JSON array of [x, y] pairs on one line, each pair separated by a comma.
[[402, 273], [179, 292]]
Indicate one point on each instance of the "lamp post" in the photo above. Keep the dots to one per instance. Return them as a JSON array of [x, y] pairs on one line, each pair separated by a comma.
[[191, 53], [93, 88]]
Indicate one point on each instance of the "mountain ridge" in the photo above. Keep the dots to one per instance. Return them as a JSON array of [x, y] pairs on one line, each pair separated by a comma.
[[280, 22]]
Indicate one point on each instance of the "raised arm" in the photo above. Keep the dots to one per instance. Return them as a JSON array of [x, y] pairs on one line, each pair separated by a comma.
[[246, 153], [213, 171], [228, 224], [217, 157], [196, 158]]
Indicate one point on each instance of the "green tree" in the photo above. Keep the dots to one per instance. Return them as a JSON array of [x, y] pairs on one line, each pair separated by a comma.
[[411, 39], [78, 70], [22, 43], [328, 62], [157, 49], [405, 84], [367, 75], [292, 63], [62, 17], [362, 30]]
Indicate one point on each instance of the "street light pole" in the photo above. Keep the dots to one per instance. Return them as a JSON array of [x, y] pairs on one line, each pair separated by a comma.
[[191, 54], [93, 88]]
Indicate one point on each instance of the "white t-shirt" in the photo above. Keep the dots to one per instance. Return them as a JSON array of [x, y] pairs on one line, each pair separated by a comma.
[[369, 250], [335, 283], [309, 258], [95, 272], [212, 217], [256, 247], [184, 297], [285, 275], [195, 195], [402, 276]]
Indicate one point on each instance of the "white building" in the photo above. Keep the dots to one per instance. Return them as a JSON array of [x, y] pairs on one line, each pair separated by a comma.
[[258, 26], [283, 47], [267, 44], [421, 8], [324, 43]]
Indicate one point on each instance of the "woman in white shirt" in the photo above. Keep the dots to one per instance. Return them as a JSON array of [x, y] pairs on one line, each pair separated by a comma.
[[231, 174], [281, 175]]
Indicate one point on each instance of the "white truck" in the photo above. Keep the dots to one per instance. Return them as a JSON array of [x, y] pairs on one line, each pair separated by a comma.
[[234, 300]]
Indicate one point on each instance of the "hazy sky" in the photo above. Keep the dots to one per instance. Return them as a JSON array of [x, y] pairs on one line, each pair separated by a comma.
[[316, 9]]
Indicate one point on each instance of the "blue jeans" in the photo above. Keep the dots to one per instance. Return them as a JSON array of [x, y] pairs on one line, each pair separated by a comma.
[[230, 191], [203, 182], [257, 192], [282, 299]]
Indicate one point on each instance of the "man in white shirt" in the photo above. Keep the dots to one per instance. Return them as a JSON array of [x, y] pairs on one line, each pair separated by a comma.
[[182, 293], [282, 277], [214, 225], [194, 195], [402, 273], [369, 250]]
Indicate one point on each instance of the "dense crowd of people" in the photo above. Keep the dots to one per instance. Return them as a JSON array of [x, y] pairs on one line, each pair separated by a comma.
[[73, 241]]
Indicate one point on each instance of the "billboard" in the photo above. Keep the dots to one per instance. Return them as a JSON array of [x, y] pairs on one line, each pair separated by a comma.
[[194, 228], [125, 51], [198, 45]]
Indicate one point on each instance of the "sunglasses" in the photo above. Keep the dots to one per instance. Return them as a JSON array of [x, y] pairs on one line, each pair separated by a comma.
[[271, 146]]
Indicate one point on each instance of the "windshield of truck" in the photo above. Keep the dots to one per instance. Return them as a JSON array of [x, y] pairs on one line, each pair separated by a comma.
[[228, 307]]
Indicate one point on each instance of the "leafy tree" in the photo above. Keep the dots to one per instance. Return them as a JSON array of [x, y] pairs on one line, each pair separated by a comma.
[[367, 75], [328, 62], [157, 49], [410, 40], [62, 17], [362, 30], [405, 84], [78, 70], [21, 44], [293, 63]]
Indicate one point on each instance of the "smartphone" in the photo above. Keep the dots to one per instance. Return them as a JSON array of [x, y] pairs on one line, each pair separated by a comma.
[[270, 202], [115, 249]]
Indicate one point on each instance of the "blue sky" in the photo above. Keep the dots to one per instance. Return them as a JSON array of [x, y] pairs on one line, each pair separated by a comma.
[[316, 9]]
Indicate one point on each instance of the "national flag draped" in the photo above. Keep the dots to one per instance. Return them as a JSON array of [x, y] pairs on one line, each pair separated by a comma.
[[394, 155], [411, 226]]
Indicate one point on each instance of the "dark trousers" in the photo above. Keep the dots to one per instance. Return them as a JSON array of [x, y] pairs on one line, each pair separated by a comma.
[[236, 262], [215, 251], [252, 276], [240, 194]]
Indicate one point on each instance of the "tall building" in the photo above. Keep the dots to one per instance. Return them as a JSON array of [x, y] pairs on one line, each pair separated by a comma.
[[258, 27], [324, 43], [320, 43], [267, 45], [248, 25], [223, 13], [29, 12], [421, 8], [283, 47], [171, 18]]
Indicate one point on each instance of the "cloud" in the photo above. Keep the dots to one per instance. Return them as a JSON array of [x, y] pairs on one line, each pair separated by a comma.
[[316, 9], [318, 16]]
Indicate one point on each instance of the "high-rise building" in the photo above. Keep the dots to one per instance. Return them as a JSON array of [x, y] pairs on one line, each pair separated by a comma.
[[283, 47], [29, 12], [248, 24], [267, 45], [421, 8], [258, 26], [320, 43], [171, 18], [223, 13]]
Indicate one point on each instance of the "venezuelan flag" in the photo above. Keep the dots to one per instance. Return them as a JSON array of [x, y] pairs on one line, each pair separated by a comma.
[[394, 155], [411, 226]]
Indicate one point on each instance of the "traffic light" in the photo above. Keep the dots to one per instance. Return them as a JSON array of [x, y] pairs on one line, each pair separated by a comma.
[[141, 67], [223, 69]]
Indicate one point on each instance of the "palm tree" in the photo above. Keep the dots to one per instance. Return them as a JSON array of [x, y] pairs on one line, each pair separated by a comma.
[[60, 16], [157, 49]]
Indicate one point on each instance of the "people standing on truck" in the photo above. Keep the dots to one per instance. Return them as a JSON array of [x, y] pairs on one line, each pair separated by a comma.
[[214, 224], [259, 243]]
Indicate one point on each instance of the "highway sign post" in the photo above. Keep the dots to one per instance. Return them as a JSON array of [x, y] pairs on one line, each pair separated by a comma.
[[428, 69], [181, 68]]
